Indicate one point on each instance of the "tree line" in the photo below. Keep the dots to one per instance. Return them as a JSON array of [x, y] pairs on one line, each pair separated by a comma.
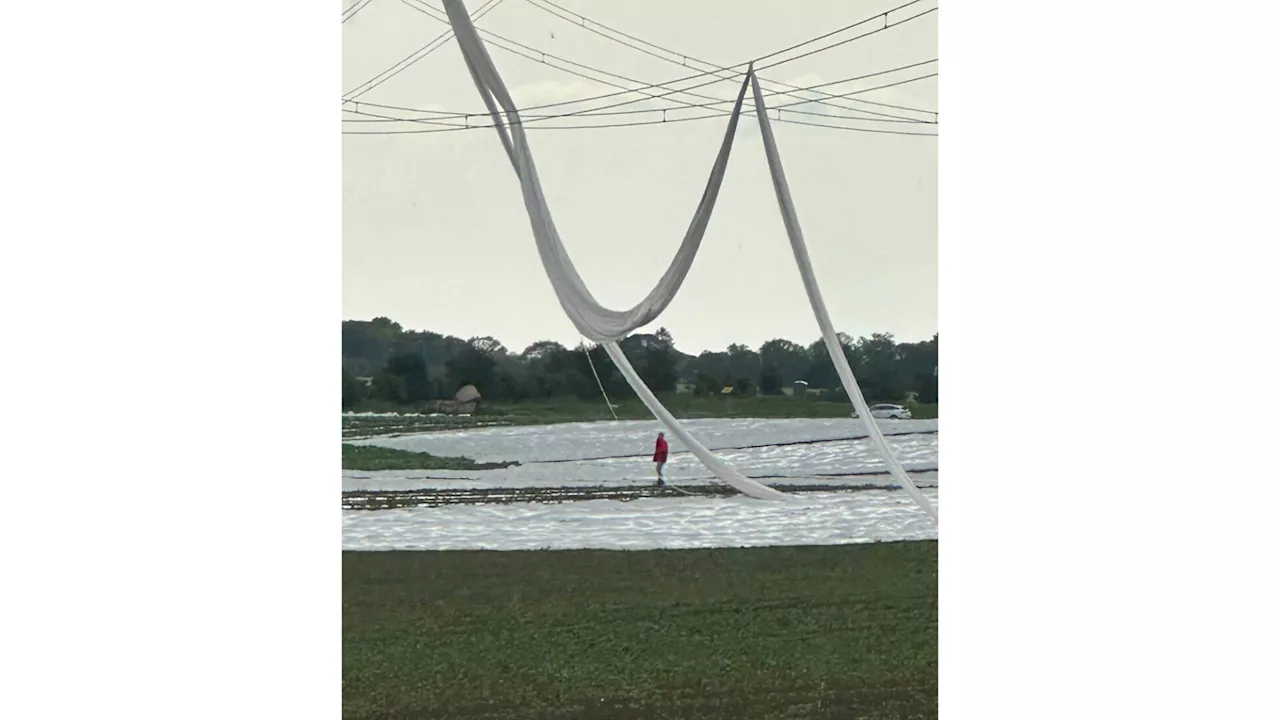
[[382, 360]]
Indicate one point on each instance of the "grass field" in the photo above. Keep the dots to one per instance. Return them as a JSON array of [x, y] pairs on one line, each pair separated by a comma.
[[684, 407], [362, 457], [359, 427], [558, 410], [785, 632]]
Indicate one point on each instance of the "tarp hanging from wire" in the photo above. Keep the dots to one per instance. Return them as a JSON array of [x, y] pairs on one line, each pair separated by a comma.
[[607, 325]]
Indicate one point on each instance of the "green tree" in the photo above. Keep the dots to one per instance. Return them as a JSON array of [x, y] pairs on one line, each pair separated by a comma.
[[541, 350], [412, 366], [658, 363], [547, 364], [390, 388], [770, 380], [822, 372], [433, 348], [488, 345], [743, 362], [658, 370], [515, 381], [878, 368], [412, 371], [568, 372], [366, 345], [610, 377], [789, 360], [707, 384], [474, 364], [712, 365], [353, 390], [919, 363]]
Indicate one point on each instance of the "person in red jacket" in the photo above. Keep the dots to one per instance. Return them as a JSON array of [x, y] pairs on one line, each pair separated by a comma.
[[660, 455]]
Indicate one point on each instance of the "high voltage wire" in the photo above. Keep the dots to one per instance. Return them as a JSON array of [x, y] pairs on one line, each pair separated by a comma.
[[694, 76], [444, 114], [637, 124], [738, 66], [354, 8], [431, 12], [698, 75], [825, 48], [439, 115], [367, 117], [454, 127], [684, 57], [878, 87], [885, 14], [716, 68], [780, 62], [590, 112], [408, 61]]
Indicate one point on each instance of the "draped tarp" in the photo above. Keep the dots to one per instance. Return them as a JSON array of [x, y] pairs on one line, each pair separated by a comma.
[[591, 318], [607, 325], [727, 474], [801, 251]]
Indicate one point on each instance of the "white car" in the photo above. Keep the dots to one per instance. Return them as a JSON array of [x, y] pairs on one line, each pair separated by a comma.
[[890, 412]]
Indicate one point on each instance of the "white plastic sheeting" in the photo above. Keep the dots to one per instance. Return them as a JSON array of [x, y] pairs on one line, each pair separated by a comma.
[[804, 451], [729, 475], [647, 523], [592, 319], [834, 349], [606, 325]]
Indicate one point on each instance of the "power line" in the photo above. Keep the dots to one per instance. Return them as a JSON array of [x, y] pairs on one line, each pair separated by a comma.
[[367, 117], [445, 114], [354, 8], [738, 66], [453, 127], [824, 36], [717, 79], [887, 25], [638, 124], [532, 117], [878, 87], [780, 62], [684, 57], [694, 76], [431, 12], [409, 60]]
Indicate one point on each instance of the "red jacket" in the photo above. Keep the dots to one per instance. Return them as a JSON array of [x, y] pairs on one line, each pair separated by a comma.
[[660, 451]]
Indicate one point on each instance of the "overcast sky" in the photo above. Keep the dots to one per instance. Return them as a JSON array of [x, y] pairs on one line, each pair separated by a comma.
[[435, 234]]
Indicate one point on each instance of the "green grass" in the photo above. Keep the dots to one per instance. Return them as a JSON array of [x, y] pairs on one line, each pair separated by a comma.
[[367, 457], [684, 407], [572, 409], [770, 633], [357, 427], [921, 411]]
